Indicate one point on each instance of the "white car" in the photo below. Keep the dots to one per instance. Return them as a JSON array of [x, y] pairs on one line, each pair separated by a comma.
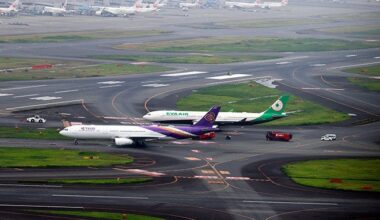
[[328, 137], [36, 119]]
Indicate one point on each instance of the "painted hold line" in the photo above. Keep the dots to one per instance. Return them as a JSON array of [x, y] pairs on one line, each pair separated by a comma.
[[42, 206], [291, 203], [26, 185], [45, 104], [103, 197], [24, 87], [66, 91], [23, 96]]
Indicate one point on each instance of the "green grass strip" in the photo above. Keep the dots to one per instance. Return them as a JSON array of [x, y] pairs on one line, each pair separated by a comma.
[[370, 84], [99, 215], [253, 97], [31, 133], [113, 181], [365, 70], [345, 174], [191, 59], [271, 45], [35, 157]]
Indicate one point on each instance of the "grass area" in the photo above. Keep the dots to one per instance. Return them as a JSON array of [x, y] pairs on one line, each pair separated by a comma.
[[346, 174], [76, 36], [199, 59], [99, 215], [31, 133], [253, 97], [10, 62], [114, 181], [370, 84], [354, 30], [367, 70], [72, 70], [367, 83], [252, 45], [35, 157]]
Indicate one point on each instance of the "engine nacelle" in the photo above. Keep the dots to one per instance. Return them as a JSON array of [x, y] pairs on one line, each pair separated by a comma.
[[123, 141], [99, 12]]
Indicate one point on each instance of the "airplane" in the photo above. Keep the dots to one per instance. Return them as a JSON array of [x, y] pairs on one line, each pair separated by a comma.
[[272, 4], [55, 10], [186, 5], [242, 5], [132, 134], [11, 10], [275, 111]]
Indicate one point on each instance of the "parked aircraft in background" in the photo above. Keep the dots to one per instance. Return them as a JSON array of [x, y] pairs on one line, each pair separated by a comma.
[[274, 112], [55, 10], [128, 135], [11, 10], [187, 5], [272, 4], [242, 5]]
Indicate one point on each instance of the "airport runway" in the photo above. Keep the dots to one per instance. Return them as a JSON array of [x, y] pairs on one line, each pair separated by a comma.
[[219, 179]]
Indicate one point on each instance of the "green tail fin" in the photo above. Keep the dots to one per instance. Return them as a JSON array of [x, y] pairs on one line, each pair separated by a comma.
[[278, 106]]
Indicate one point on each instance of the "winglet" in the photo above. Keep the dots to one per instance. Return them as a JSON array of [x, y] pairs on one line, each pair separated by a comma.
[[209, 118]]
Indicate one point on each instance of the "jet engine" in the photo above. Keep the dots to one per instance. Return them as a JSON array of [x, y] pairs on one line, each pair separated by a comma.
[[123, 141]]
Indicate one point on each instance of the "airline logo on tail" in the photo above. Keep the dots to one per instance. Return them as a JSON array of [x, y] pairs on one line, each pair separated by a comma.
[[209, 118], [277, 106], [14, 5]]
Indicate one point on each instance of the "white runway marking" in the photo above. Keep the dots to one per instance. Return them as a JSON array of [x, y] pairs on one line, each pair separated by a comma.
[[42, 206], [237, 178], [192, 158], [351, 55], [291, 203], [102, 197], [66, 91], [318, 64], [45, 104], [228, 76], [206, 177], [24, 87], [327, 89], [152, 81], [111, 82], [5, 94], [156, 85], [377, 57], [104, 87], [354, 65], [45, 98], [283, 63], [185, 73], [23, 96]]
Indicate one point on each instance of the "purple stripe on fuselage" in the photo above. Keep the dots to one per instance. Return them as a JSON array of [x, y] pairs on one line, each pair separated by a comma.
[[180, 132]]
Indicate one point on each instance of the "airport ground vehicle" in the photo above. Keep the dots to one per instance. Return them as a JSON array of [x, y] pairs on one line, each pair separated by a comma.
[[36, 119], [328, 137], [278, 136]]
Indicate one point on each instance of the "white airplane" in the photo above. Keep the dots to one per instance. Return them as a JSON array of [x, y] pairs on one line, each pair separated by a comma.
[[272, 4], [11, 10], [55, 10], [275, 111], [187, 5], [117, 11], [128, 135], [242, 4], [157, 4]]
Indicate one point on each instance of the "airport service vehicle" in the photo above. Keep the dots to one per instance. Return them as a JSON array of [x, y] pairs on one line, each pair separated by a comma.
[[275, 111], [128, 135], [11, 10], [278, 136], [328, 137], [36, 119]]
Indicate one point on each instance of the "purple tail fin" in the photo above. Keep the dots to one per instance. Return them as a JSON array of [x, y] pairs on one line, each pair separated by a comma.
[[209, 118]]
